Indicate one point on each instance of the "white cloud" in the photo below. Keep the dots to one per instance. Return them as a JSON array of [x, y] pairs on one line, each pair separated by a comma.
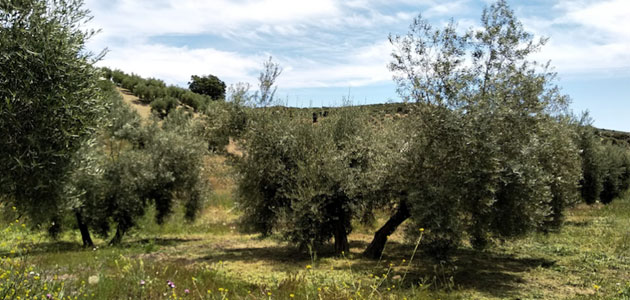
[[588, 38], [149, 17], [365, 65], [175, 65], [309, 28]]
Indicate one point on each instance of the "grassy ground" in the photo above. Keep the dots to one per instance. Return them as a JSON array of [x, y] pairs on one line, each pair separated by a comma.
[[589, 258]]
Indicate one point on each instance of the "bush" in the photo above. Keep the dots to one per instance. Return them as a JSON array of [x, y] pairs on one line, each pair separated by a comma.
[[194, 100], [162, 106], [131, 81], [615, 171], [118, 76]]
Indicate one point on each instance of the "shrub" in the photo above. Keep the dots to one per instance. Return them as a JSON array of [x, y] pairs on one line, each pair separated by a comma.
[[194, 100], [130, 82], [615, 171], [162, 106], [118, 76]]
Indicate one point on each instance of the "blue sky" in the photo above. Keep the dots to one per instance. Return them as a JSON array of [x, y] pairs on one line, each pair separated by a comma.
[[330, 49]]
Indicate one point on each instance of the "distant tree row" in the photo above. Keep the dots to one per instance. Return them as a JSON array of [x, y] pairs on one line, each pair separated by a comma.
[[162, 98]]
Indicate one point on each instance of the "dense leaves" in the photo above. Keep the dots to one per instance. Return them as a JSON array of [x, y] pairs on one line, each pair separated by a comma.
[[48, 100], [489, 126], [308, 181], [209, 85], [133, 166]]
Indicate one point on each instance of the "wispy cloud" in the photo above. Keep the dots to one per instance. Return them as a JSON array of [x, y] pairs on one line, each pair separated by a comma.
[[328, 43], [177, 64], [587, 38], [320, 43]]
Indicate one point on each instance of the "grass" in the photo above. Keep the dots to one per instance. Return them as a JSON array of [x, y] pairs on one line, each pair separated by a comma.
[[588, 258]]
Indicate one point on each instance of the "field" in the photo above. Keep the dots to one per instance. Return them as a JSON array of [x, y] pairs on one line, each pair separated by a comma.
[[589, 258]]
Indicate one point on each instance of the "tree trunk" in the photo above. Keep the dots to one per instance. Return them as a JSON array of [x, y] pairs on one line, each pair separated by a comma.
[[375, 249], [118, 236], [85, 232], [341, 238]]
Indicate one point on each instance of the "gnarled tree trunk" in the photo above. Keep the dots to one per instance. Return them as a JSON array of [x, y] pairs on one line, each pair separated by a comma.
[[341, 238], [375, 249], [118, 236], [85, 232]]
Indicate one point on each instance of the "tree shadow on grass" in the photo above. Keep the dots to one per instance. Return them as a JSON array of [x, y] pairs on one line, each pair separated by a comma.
[[135, 101], [50, 247], [281, 254], [495, 274], [156, 241], [46, 248]]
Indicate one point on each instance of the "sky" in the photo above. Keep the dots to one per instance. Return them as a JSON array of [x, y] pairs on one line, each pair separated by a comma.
[[335, 49]]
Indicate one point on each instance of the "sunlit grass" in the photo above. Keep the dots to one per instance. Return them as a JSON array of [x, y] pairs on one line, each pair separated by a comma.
[[588, 258]]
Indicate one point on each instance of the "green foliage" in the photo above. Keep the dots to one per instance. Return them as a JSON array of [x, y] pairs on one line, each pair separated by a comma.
[[149, 90], [118, 76], [209, 85], [195, 100], [491, 152], [307, 181], [615, 176], [132, 166], [227, 119], [560, 160], [592, 173], [605, 166], [130, 82], [163, 106], [48, 100]]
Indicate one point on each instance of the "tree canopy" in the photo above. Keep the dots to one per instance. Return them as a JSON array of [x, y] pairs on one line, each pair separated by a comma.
[[207, 85], [48, 100]]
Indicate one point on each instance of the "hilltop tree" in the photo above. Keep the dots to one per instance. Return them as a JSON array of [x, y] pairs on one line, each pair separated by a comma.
[[48, 101], [208, 85]]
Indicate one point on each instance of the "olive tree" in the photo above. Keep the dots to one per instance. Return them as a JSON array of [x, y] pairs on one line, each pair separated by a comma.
[[131, 165], [48, 101], [476, 158], [307, 181], [591, 184]]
